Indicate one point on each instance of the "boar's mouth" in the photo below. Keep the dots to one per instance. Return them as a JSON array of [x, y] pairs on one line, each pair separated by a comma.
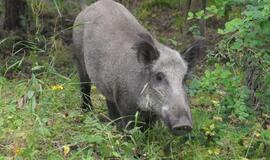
[[178, 127], [181, 130]]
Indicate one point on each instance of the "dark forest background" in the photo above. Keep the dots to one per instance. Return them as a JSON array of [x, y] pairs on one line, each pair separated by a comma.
[[229, 84]]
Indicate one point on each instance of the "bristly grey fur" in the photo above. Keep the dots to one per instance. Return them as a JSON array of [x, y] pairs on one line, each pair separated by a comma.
[[119, 55]]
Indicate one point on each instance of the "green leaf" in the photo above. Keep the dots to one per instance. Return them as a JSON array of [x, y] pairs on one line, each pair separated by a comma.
[[199, 14], [190, 16], [212, 9], [238, 44], [30, 94], [37, 68], [265, 26], [233, 25], [93, 138], [221, 31]]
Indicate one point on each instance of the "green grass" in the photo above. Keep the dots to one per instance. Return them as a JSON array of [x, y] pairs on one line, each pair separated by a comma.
[[40, 115], [37, 122]]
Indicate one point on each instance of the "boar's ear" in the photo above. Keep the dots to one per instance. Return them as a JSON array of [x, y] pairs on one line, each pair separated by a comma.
[[194, 53], [146, 50]]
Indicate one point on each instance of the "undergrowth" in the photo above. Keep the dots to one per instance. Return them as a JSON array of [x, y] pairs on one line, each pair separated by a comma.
[[40, 115], [41, 118]]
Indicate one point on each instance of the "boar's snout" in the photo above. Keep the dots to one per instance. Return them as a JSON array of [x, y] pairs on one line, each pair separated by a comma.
[[179, 122], [181, 128]]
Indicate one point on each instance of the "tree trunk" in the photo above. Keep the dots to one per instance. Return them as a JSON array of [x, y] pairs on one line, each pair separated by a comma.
[[197, 35], [184, 9], [194, 6], [14, 14]]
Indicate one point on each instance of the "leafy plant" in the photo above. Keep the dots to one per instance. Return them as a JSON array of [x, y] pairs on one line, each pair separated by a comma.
[[40, 116], [229, 94], [246, 45]]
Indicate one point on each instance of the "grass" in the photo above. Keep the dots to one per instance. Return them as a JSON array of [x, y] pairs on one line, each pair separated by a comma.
[[40, 118], [40, 115]]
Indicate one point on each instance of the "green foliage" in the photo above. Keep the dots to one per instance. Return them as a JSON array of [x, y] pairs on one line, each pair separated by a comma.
[[163, 3], [246, 44], [40, 116], [245, 48], [53, 127], [226, 89]]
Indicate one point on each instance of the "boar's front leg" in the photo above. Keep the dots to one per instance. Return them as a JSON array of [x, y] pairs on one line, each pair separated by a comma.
[[116, 116], [112, 110]]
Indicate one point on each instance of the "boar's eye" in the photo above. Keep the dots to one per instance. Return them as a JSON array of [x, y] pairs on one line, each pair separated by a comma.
[[159, 76]]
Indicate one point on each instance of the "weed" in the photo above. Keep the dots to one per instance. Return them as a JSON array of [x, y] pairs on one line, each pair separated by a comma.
[[40, 115]]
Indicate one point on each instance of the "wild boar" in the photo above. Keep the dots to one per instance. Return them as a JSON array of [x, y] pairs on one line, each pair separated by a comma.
[[129, 67]]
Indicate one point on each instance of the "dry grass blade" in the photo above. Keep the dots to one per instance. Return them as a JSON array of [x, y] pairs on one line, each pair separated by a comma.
[[22, 101]]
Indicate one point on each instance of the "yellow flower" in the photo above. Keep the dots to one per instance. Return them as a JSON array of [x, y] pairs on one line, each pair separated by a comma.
[[57, 87], [16, 150], [215, 103], [257, 134], [66, 149]]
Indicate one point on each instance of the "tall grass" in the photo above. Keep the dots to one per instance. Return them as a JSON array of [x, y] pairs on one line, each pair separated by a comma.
[[40, 115]]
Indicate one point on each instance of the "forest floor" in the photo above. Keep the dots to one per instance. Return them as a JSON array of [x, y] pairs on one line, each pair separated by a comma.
[[40, 115]]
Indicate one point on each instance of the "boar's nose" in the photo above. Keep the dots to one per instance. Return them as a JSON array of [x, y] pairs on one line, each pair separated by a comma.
[[179, 122], [182, 125], [181, 129]]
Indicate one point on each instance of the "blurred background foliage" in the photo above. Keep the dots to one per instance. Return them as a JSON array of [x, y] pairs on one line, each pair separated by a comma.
[[229, 88]]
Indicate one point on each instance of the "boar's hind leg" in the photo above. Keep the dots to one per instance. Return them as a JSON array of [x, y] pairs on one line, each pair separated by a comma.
[[85, 84], [85, 89], [112, 109]]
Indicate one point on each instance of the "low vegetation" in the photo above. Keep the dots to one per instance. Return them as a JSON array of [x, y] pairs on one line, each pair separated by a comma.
[[40, 115]]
